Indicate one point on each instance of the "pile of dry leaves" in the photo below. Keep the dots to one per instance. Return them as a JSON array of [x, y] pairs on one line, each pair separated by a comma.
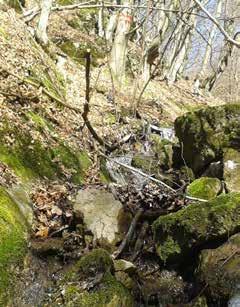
[[7, 176], [52, 210]]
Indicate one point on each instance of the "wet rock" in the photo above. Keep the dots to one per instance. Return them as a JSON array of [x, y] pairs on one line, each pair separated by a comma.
[[50, 246], [178, 234], [204, 133], [101, 212], [205, 188], [231, 174], [220, 268], [124, 266], [167, 287], [91, 283], [214, 170]]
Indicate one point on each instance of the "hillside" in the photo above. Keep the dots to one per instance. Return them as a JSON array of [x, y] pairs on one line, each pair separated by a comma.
[[58, 250]]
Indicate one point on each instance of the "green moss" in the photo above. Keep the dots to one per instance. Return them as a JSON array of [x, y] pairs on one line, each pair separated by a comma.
[[206, 132], [222, 276], [32, 159], [51, 80], [205, 188], [15, 4], [13, 232], [77, 51], [178, 234], [40, 122], [109, 292]]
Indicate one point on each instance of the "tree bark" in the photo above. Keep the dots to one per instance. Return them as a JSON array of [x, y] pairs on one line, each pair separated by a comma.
[[41, 31], [119, 48]]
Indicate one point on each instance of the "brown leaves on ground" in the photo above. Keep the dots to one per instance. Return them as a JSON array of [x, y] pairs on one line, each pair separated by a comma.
[[52, 210], [7, 177]]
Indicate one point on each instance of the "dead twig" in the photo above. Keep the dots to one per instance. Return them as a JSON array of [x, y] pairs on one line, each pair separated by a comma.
[[129, 234]]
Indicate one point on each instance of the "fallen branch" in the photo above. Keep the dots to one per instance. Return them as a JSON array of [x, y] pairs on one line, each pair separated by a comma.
[[129, 235], [137, 171]]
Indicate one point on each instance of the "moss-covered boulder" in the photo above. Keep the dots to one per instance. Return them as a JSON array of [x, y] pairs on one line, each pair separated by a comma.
[[13, 235], [220, 268], [204, 188], [91, 283], [204, 133], [231, 169], [179, 234]]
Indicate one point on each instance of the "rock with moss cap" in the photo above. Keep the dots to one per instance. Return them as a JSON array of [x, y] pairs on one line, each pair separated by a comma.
[[179, 234], [231, 171], [204, 133], [13, 235], [91, 283], [204, 188], [220, 268]]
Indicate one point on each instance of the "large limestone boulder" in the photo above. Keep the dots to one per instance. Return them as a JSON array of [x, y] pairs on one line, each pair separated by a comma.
[[205, 188], [178, 234], [231, 170], [91, 283], [101, 212], [204, 133], [220, 268]]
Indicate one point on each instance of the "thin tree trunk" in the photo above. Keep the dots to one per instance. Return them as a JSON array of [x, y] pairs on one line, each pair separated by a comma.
[[212, 34], [41, 31], [119, 48]]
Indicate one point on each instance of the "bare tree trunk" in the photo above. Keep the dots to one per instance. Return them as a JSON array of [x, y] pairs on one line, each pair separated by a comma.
[[41, 31], [212, 34], [100, 22], [223, 61], [119, 48]]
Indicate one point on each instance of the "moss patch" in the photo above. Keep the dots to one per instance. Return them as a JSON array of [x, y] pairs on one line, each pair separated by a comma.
[[32, 159], [108, 292], [13, 232], [178, 234], [206, 132], [205, 188], [222, 276]]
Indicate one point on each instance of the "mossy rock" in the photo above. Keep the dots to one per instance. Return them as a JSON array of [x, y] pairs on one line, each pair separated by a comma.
[[204, 188], [13, 235], [95, 271], [220, 268], [200, 301], [179, 234], [204, 133]]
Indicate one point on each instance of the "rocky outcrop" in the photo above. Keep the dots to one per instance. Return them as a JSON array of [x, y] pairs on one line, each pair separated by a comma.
[[205, 188], [204, 133], [178, 234], [220, 268], [101, 213]]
